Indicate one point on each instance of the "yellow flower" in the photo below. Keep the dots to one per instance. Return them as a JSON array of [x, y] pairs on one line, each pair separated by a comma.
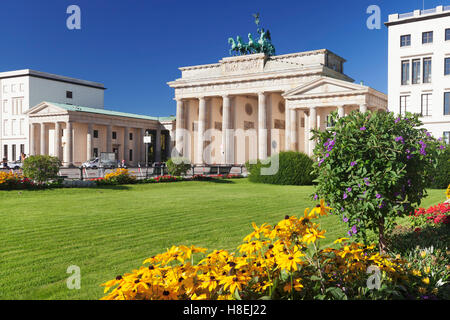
[[321, 209], [289, 261], [312, 235], [340, 240], [426, 280], [423, 254], [427, 269]]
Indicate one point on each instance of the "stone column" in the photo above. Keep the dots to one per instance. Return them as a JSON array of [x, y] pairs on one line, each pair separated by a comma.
[[89, 141], [32, 139], [158, 145], [201, 129], [57, 140], [180, 136], [363, 108], [126, 139], [341, 111], [312, 125], [262, 126], [43, 142], [68, 149], [293, 127], [138, 145], [226, 126], [287, 131], [109, 138]]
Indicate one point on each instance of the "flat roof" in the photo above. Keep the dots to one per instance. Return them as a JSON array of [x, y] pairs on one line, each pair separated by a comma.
[[70, 107], [418, 15], [50, 76]]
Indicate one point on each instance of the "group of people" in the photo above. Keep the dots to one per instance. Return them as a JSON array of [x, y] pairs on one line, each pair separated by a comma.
[[4, 163]]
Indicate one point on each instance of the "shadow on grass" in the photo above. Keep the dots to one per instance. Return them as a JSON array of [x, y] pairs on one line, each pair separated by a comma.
[[404, 239]]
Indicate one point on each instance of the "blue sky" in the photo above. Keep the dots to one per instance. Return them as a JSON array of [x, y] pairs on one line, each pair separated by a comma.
[[135, 47]]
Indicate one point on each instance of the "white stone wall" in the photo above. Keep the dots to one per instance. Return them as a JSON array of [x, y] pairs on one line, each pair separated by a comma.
[[436, 123]]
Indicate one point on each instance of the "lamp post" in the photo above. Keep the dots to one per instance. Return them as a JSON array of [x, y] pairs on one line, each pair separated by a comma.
[[147, 141]]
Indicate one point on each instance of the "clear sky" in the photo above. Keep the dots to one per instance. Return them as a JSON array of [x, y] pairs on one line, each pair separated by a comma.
[[135, 47]]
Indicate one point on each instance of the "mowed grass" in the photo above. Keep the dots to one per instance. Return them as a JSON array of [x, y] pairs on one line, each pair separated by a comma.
[[110, 231]]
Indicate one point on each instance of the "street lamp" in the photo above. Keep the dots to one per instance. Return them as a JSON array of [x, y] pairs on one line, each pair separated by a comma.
[[147, 141]]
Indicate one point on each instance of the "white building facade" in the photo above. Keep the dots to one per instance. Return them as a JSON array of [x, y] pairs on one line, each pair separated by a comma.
[[23, 89], [419, 67]]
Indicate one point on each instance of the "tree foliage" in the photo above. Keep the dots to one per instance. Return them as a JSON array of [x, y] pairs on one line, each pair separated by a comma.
[[374, 167], [41, 168]]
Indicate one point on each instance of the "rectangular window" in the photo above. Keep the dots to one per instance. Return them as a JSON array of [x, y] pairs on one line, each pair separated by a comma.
[[447, 34], [131, 155], [405, 41], [95, 152], [447, 104], [131, 135], [114, 135], [95, 133], [427, 37], [446, 137], [447, 67], [22, 150], [5, 106], [69, 94], [427, 70], [426, 105], [5, 151], [416, 71], [405, 72], [404, 102], [330, 121]]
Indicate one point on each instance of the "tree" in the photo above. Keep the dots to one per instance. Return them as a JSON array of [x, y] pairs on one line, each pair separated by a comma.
[[374, 167], [41, 168]]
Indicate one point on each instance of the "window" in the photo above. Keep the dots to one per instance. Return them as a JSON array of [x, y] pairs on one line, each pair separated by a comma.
[[330, 121], [17, 106], [5, 151], [114, 135], [426, 105], [131, 155], [447, 34], [404, 103], [22, 150], [69, 94], [427, 37], [416, 71], [95, 152], [447, 67], [5, 106], [405, 41], [405, 72], [427, 70], [95, 133], [446, 137], [447, 104], [131, 135]]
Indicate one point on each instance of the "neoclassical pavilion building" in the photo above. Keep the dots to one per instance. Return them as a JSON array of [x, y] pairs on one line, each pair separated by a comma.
[[249, 107], [75, 134]]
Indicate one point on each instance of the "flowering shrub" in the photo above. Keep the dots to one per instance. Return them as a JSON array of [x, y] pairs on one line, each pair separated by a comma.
[[202, 177], [374, 167], [10, 180], [274, 262], [438, 214], [120, 176], [165, 178]]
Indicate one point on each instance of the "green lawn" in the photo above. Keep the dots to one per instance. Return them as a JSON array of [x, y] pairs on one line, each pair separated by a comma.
[[107, 232]]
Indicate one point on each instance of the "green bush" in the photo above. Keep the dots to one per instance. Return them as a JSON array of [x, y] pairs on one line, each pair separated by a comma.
[[294, 168], [373, 168], [441, 174], [41, 168], [178, 166]]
